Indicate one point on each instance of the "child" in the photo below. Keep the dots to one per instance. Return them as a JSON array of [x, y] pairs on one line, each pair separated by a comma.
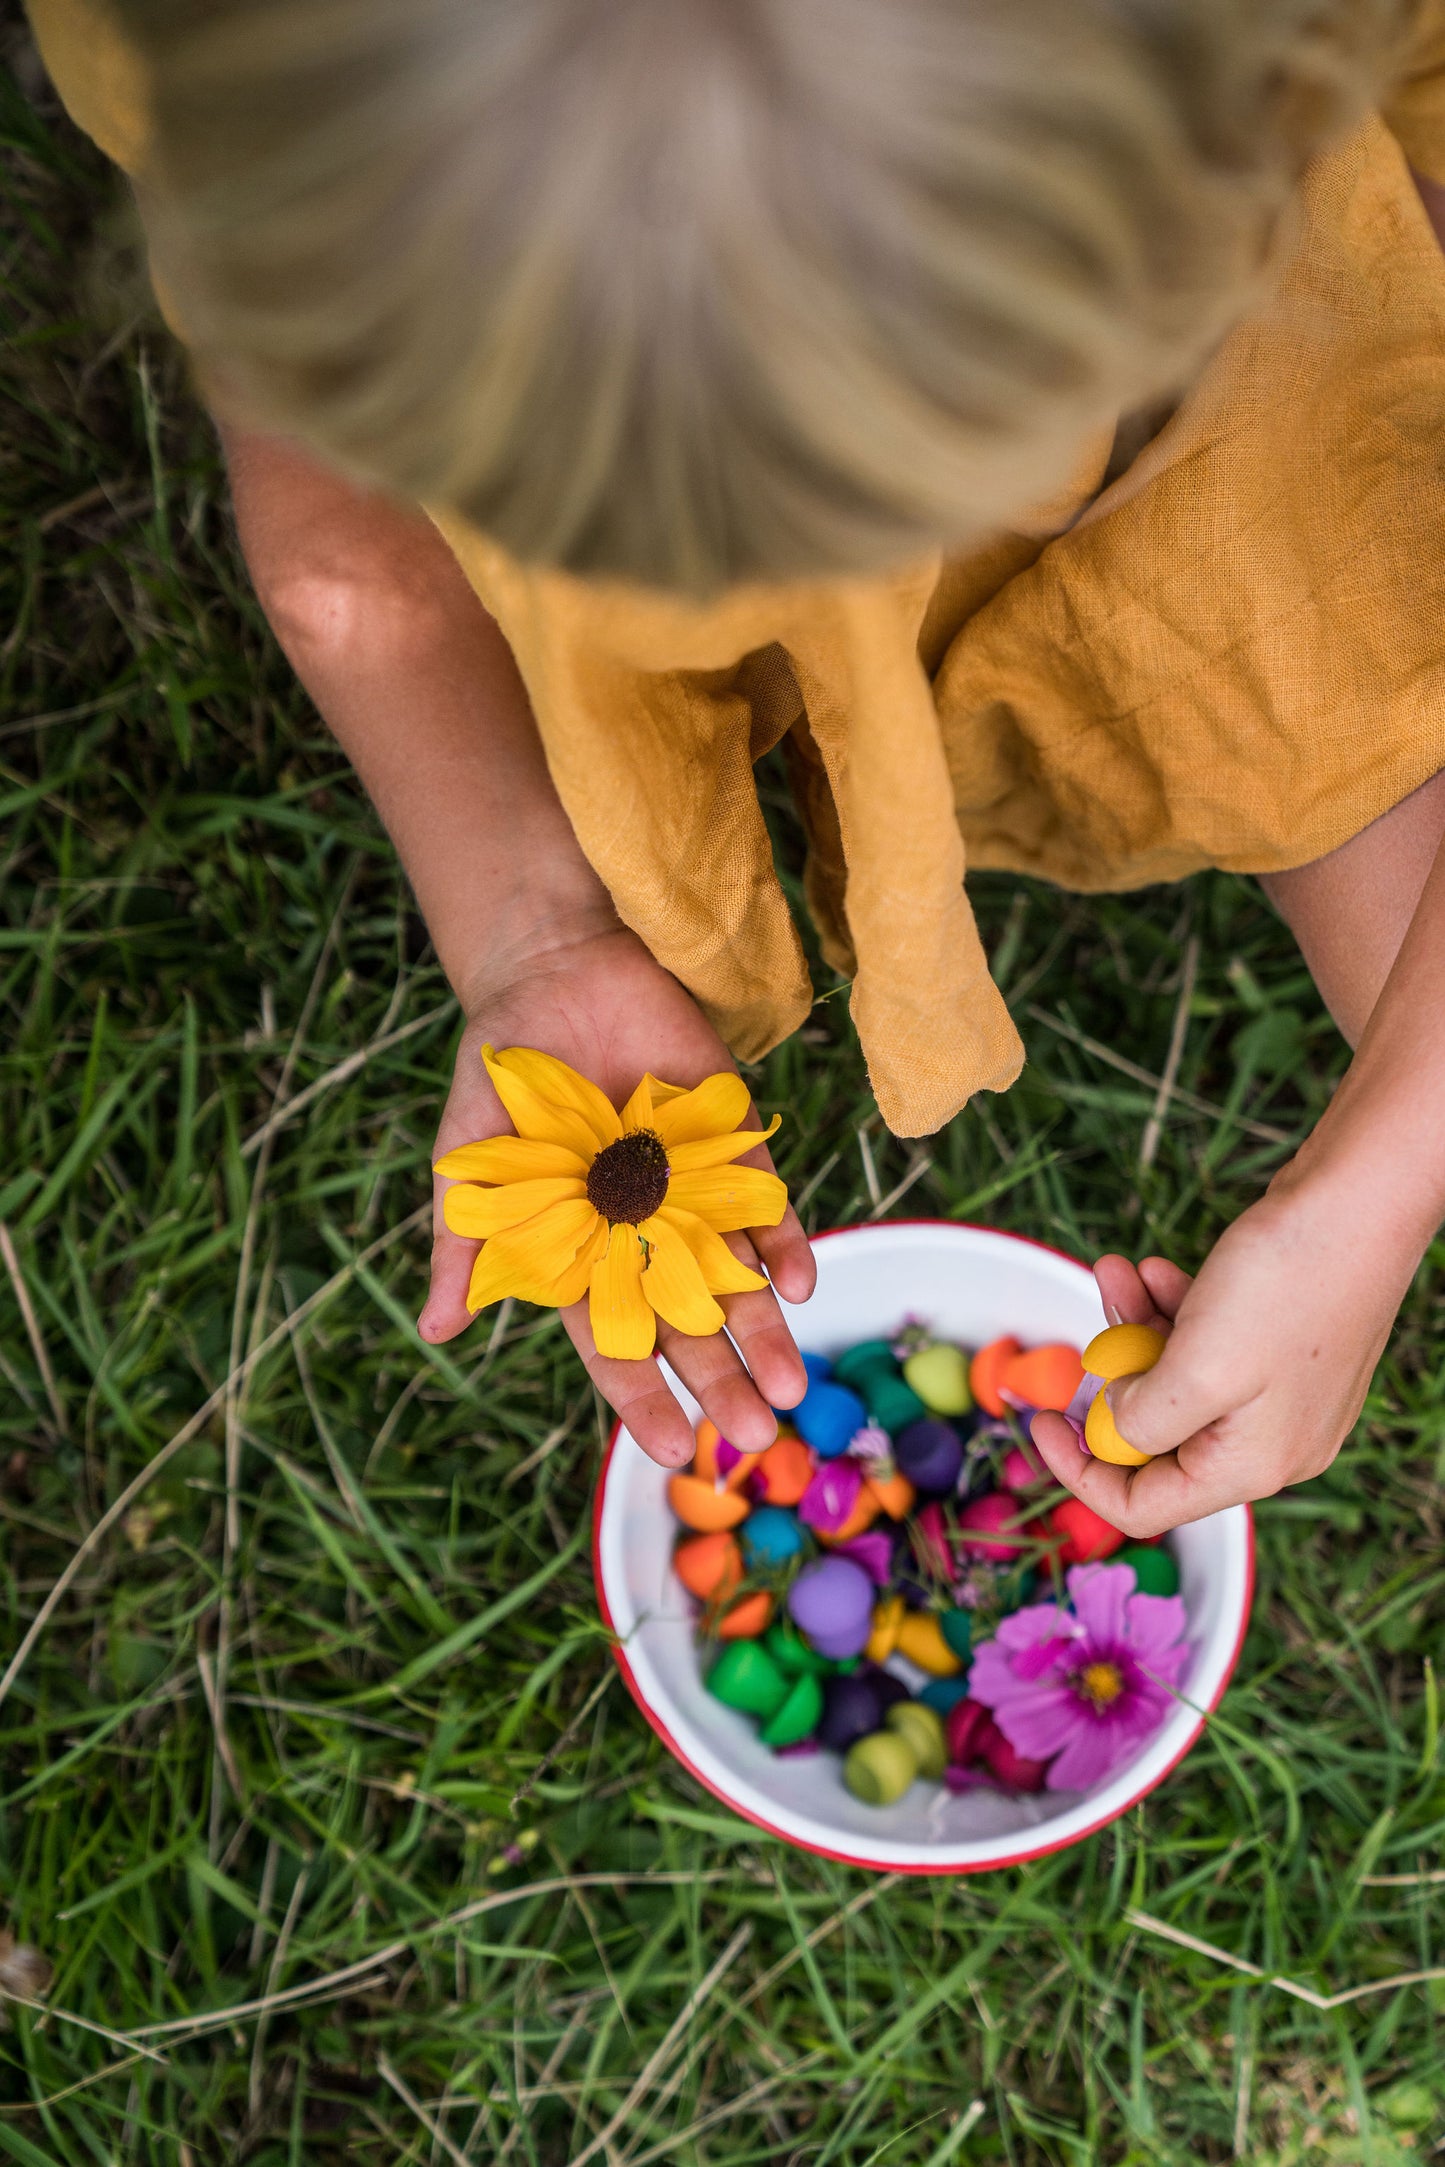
[[760, 363]]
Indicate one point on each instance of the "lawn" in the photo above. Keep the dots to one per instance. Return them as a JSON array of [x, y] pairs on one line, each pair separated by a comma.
[[320, 1793]]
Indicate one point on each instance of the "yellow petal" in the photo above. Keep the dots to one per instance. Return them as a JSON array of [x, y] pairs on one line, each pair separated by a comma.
[[538, 1119], [479, 1213], [722, 1272], [510, 1158], [662, 1092], [730, 1197], [529, 1260], [495, 1275], [673, 1282], [494, 1278], [637, 1113], [554, 1081], [574, 1282], [712, 1109], [622, 1321], [718, 1150]]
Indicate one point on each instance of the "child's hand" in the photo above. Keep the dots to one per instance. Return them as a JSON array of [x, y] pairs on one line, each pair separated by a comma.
[[603, 1004], [1271, 1350]]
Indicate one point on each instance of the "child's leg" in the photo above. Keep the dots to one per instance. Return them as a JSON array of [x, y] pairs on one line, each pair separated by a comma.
[[1350, 910]]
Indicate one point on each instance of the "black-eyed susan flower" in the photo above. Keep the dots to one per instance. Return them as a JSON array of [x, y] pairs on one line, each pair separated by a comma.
[[628, 1209]]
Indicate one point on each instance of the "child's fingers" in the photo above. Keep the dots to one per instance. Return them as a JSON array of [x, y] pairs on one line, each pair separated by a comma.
[[710, 1368], [1123, 1293], [1130, 1294], [1163, 1408], [785, 1251], [1143, 1501], [1166, 1283], [444, 1313], [715, 1374], [637, 1393], [761, 1335], [787, 1258]]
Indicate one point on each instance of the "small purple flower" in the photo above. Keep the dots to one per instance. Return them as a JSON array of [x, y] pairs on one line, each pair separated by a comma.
[[1089, 1685], [1076, 1413], [915, 1335], [976, 1589], [872, 1445], [1090, 1387]]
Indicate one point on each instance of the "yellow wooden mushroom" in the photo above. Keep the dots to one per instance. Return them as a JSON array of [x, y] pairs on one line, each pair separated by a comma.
[[1124, 1350]]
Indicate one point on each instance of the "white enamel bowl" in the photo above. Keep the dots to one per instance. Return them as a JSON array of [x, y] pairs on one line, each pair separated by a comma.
[[971, 1285]]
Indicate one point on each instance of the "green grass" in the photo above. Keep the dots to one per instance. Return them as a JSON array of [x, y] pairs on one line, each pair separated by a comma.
[[395, 1620]]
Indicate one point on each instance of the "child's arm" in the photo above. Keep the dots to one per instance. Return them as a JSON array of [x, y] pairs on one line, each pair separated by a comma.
[[420, 688], [1274, 1344]]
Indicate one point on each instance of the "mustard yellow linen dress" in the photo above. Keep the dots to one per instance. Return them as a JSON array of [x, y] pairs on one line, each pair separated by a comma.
[[1232, 655]]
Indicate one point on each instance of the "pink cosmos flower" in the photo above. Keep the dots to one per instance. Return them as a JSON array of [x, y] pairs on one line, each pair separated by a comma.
[[1084, 1688]]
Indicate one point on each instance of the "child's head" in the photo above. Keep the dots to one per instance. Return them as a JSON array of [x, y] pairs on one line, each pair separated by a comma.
[[695, 291]]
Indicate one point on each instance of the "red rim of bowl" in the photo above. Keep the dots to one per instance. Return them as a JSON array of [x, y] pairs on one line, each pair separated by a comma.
[[848, 1858]]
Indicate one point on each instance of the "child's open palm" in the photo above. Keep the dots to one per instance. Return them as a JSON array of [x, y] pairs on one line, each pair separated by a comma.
[[605, 1006]]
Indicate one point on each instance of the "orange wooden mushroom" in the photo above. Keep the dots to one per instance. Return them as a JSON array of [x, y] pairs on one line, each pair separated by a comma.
[[895, 1493], [709, 1565], [785, 1470], [699, 1505], [1044, 1376], [986, 1372], [747, 1618]]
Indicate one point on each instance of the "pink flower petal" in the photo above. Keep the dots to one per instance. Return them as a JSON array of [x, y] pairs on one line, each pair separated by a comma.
[[1040, 1724], [1035, 1622], [1093, 1751], [1155, 1622], [1090, 1387], [830, 1497], [1044, 1659], [1167, 1669], [1099, 1594]]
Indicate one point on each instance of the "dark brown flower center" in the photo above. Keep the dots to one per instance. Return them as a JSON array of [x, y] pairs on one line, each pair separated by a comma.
[[628, 1179]]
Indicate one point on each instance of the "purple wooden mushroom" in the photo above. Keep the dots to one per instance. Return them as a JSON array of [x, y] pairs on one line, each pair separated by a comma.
[[832, 1602]]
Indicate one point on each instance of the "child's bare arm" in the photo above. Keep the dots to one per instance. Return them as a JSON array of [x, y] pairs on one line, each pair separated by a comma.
[[1273, 1346], [419, 686]]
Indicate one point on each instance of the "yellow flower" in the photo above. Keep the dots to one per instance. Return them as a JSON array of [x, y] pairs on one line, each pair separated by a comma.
[[628, 1209]]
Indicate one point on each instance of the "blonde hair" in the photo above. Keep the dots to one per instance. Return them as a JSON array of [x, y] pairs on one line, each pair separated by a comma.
[[698, 291]]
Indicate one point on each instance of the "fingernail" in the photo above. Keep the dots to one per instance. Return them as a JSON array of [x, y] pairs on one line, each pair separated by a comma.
[[1112, 1313]]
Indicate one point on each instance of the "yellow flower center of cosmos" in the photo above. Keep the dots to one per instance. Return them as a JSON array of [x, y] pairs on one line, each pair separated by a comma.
[[627, 1181], [1100, 1683]]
